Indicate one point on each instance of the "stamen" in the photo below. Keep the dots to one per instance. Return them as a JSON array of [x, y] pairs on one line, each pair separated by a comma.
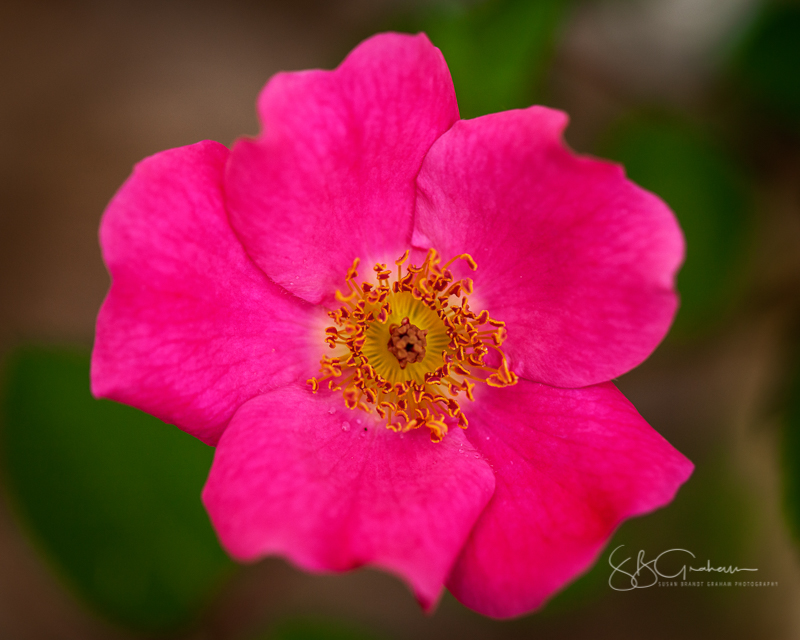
[[412, 346]]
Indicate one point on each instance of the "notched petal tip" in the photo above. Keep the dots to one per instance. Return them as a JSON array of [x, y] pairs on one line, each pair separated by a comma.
[[570, 466], [336, 161], [185, 300], [330, 499], [579, 261]]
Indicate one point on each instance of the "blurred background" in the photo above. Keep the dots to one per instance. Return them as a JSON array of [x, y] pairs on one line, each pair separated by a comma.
[[102, 534]]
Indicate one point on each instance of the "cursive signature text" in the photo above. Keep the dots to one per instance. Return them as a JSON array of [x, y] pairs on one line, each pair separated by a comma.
[[647, 574]]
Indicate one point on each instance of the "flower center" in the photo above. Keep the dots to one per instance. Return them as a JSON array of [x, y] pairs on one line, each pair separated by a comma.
[[409, 348], [407, 343]]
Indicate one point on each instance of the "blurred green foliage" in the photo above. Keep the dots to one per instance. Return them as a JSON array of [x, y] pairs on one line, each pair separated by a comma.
[[498, 50], [110, 493], [315, 628], [713, 203], [768, 61], [790, 452]]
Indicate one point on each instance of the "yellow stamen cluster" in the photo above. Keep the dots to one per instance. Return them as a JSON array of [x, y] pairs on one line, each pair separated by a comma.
[[420, 391]]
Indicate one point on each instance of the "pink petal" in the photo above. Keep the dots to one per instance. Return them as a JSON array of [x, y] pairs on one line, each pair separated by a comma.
[[570, 465], [191, 328], [577, 260], [298, 475], [331, 177]]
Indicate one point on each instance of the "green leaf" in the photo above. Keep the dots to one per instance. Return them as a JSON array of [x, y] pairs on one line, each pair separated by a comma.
[[712, 201], [769, 58], [111, 494], [497, 51]]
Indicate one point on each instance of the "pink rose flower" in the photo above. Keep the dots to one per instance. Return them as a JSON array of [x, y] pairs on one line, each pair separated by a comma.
[[336, 415]]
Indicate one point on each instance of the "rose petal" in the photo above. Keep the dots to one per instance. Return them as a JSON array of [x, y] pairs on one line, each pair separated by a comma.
[[570, 465], [577, 260], [289, 479], [331, 177], [191, 328]]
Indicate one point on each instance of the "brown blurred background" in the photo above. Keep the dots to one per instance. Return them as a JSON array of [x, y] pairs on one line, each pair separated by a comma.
[[90, 88]]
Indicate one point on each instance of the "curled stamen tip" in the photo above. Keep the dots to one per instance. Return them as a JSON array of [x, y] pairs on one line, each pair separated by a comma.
[[352, 272], [343, 298]]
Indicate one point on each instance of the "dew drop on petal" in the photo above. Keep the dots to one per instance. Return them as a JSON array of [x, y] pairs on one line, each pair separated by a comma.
[[345, 426], [477, 455], [331, 410]]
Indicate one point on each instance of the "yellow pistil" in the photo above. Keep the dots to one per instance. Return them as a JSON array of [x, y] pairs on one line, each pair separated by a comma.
[[412, 346]]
